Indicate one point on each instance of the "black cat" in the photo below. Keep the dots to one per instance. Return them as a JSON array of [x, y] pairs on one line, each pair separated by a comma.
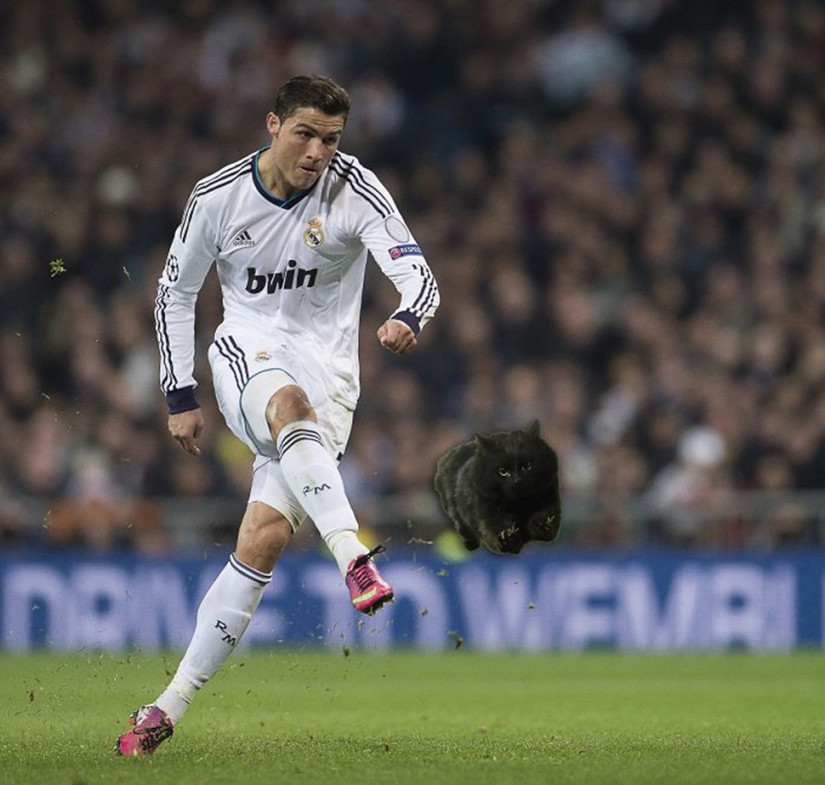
[[501, 490]]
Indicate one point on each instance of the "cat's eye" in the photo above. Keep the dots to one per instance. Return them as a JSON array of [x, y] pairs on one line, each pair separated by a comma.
[[525, 467], [504, 472]]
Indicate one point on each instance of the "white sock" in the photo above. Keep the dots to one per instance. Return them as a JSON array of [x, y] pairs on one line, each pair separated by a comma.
[[345, 546], [223, 616], [313, 477]]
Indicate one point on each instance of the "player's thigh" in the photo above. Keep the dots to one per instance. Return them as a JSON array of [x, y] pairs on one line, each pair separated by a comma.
[[334, 417], [245, 377]]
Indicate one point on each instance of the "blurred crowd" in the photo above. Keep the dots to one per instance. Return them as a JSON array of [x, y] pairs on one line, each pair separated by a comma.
[[623, 202]]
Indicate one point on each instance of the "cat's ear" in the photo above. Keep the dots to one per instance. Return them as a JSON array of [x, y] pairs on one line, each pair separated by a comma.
[[484, 442], [533, 429]]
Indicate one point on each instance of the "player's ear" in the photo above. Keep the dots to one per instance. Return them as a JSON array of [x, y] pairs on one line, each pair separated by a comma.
[[273, 123]]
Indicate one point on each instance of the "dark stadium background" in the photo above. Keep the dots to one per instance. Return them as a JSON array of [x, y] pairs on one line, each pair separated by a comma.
[[623, 202]]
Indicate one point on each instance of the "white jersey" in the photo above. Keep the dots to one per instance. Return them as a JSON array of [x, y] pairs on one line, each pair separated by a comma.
[[291, 269]]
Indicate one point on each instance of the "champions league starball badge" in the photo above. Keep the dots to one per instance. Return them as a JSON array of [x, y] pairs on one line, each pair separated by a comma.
[[172, 268], [314, 235], [397, 229]]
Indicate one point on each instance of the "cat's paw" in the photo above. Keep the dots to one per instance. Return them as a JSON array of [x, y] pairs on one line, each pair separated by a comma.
[[544, 525]]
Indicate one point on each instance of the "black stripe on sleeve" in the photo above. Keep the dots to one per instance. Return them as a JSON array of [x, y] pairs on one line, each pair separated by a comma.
[[187, 214], [427, 286], [359, 190], [213, 184], [358, 175], [169, 381], [431, 297], [224, 181], [228, 171], [184, 227]]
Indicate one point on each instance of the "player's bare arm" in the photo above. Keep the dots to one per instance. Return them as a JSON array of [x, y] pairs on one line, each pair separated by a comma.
[[397, 337], [185, 427]]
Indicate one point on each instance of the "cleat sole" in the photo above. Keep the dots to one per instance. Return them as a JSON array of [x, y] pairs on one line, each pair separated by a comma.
[[378, 604]]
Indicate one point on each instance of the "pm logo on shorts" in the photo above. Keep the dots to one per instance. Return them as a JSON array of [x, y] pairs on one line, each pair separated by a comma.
[[405, 250]]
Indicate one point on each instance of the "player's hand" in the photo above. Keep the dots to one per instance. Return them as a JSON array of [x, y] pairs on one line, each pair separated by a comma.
[[185, 428], [397, 337]]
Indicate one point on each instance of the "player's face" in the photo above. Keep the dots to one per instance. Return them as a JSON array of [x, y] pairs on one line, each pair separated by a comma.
[[303, 146]]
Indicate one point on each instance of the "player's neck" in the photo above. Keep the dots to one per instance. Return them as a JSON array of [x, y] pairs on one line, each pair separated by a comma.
[[272, 178]]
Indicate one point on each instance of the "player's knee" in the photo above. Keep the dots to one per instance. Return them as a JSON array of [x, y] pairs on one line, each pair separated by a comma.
[[290, 403]]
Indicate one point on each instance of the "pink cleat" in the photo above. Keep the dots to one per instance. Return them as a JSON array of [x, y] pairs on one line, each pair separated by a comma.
[[152, 727], [367, 589]]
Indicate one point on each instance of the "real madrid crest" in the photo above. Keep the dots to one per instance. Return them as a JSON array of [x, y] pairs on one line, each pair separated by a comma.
[[314, 235]]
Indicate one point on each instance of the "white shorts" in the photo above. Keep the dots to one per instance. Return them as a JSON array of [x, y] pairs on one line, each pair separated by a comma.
[[247, 370]]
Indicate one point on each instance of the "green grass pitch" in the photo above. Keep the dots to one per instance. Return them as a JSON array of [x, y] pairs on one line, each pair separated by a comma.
[[311, 716]]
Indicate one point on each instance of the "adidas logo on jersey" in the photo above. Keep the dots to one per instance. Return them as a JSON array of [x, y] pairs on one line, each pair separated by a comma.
[[243, 240], [294, 278]]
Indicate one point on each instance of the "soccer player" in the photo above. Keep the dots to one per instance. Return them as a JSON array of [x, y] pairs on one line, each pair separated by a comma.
[[289, 228]]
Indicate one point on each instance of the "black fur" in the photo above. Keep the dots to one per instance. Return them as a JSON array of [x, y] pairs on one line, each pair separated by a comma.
[[501, 490]]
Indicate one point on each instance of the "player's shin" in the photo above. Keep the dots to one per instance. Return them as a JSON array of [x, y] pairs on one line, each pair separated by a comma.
[[223, 616], [313, 477]]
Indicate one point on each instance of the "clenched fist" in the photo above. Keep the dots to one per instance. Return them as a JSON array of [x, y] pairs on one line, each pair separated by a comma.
[[396, 336]]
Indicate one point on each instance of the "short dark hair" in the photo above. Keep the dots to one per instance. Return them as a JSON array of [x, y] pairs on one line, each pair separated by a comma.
[[317, 92]]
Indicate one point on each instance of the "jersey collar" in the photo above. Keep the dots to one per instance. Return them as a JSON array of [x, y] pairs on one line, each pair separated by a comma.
[[283, 203]]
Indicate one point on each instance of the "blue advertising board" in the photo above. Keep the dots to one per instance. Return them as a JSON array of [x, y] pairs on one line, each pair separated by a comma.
[[553, 599]]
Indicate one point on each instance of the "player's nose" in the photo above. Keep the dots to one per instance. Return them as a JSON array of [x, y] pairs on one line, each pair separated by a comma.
[[315, 149]]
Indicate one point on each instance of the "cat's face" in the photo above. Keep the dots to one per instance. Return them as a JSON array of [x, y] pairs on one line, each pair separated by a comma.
[[514, 465]]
